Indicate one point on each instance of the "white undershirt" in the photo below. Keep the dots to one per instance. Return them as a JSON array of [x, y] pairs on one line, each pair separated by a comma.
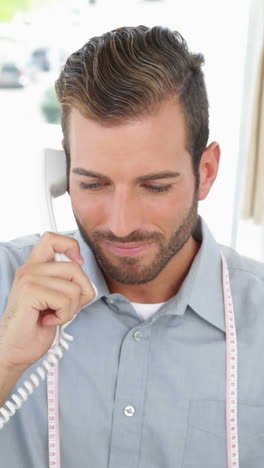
[[145, 311]]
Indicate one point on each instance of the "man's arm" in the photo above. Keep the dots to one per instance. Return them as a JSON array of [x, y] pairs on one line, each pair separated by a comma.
[[8, 379]]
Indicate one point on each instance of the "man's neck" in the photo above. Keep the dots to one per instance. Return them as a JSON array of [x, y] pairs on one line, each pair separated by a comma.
[[166, 284]]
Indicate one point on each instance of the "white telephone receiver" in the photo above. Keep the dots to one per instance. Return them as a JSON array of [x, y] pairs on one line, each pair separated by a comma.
[[55, 185]]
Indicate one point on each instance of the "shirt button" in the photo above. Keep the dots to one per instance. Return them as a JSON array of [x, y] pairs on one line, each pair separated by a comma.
[[129, 411], [137, 336], [110, 301]]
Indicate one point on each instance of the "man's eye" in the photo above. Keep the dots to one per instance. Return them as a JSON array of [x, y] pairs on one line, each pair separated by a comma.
[[159, 188], [153, 188], [90, 186]]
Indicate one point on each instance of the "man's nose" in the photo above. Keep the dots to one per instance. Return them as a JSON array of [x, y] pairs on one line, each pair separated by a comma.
[[125, 214]]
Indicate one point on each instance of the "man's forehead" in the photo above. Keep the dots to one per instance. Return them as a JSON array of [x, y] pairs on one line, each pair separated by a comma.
[[150, 145], [164, 111]]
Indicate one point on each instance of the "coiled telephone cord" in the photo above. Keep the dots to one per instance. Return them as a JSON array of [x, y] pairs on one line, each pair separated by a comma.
[[51, 360]]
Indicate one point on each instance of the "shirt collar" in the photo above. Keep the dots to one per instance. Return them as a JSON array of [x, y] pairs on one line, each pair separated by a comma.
[[201, 288], [206, 297], [91, 268]]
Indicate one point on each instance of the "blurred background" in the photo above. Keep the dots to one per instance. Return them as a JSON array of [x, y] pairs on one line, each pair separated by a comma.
[[36, 37]]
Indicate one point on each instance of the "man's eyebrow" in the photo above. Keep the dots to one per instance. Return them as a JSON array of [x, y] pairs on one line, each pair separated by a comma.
[[158, 175], [84, 172], [151, 176]]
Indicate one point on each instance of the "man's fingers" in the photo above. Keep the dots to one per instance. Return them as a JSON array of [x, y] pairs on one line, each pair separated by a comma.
[[69, 271], [51, 243]]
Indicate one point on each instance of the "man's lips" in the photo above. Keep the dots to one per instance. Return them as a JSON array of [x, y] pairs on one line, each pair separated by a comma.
[[128, 249]]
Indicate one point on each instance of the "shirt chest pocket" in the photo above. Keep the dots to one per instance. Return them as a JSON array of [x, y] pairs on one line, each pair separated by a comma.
[[205, 444]]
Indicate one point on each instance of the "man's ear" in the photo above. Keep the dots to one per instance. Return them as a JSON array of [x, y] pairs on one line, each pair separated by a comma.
[[208, 168]]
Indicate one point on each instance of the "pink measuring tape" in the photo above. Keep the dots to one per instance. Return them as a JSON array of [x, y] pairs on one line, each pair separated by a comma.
[[231, 372], [231, 387], [53, 412]]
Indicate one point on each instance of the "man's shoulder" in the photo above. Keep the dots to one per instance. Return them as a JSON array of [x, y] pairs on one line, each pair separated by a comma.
[[247, 288], [243, 265]]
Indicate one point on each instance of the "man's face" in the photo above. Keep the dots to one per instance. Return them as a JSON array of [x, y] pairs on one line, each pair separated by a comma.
[[137, 206]]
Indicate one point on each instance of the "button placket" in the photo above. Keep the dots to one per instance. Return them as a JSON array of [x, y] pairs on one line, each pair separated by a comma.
[[129, 398]]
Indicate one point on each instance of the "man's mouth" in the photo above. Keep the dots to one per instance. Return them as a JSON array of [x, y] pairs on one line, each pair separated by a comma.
[[127, 249]]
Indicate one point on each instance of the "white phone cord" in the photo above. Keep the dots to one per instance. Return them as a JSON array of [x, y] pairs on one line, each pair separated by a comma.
[[53, 357]]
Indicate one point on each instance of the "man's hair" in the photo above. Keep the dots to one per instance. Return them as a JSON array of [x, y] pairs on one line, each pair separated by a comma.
[[125, 74]]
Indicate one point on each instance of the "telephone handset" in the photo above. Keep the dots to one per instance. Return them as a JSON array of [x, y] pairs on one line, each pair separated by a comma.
[[55, 185]]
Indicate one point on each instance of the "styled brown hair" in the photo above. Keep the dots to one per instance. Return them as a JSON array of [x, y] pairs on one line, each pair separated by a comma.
[[126, 73]]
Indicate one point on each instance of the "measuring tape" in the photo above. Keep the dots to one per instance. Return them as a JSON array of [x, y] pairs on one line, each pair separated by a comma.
[[231, 372], [53, 412], [231, 387]]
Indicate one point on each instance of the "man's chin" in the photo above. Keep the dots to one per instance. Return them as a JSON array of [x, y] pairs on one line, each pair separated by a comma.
[[129, 278], [128, 271]]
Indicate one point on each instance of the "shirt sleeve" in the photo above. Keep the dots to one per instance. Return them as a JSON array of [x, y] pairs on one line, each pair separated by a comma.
[[13, 254]]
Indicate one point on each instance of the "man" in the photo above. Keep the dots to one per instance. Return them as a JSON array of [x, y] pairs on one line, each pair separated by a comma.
[[144, 382]]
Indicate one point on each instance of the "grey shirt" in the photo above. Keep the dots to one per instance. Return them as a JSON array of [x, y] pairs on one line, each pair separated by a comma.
[[171, 374]]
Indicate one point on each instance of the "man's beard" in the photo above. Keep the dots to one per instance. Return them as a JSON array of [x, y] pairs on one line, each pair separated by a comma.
[[129, 270]]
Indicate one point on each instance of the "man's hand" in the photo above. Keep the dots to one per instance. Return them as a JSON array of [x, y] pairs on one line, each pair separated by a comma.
[[44, 294]]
